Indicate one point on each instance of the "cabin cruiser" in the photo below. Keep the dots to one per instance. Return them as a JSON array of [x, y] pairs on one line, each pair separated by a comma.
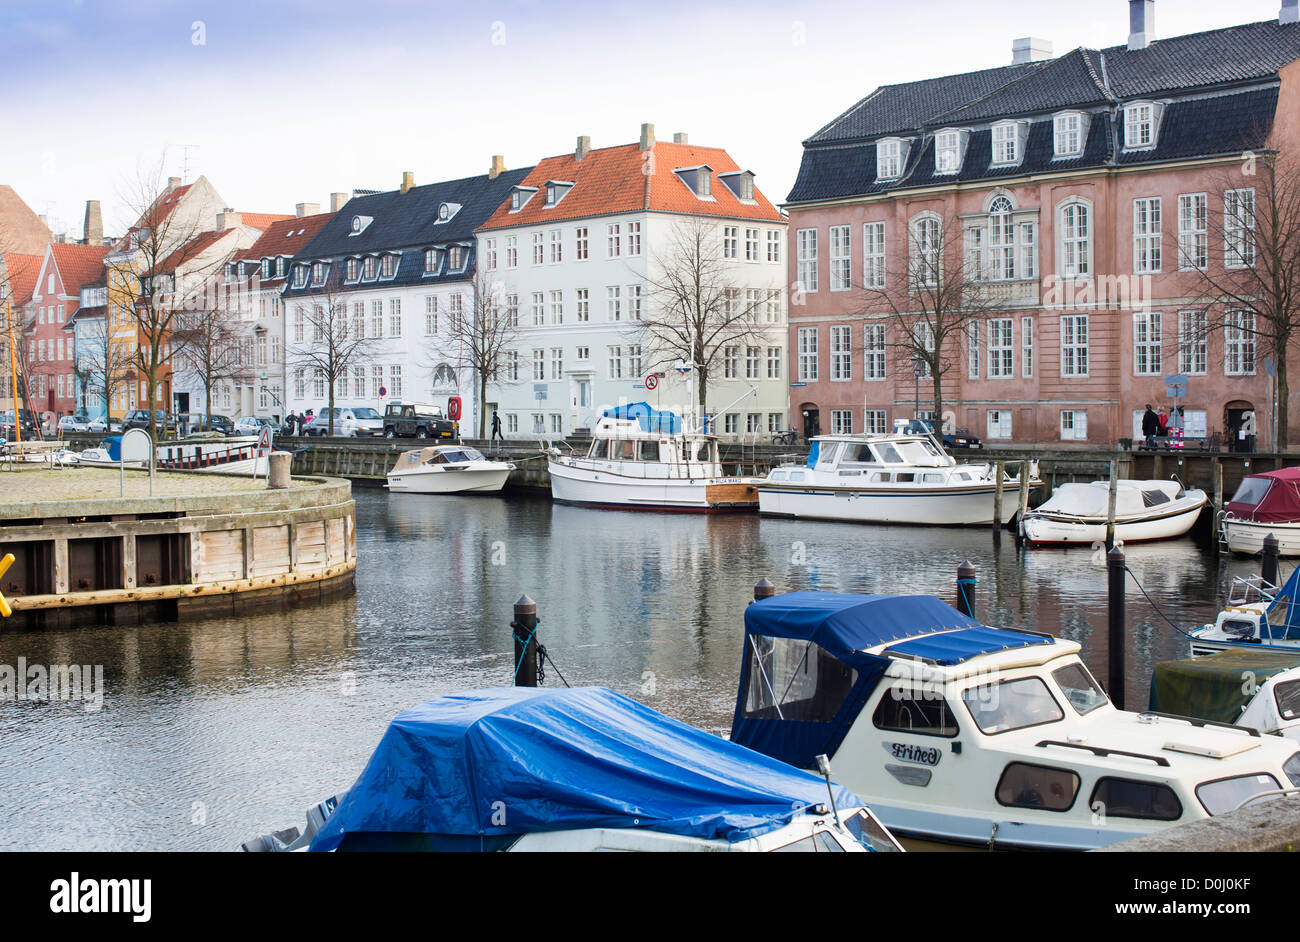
[[1257, 615], [959, 733], [897, 478], [1263, 504], [447, 469], [642, 459], [239, 455], [1212, 688], [580, 769], [1144, 510], [109, 453]]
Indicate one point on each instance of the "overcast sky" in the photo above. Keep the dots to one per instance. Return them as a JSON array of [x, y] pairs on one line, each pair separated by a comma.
[[285, 101]]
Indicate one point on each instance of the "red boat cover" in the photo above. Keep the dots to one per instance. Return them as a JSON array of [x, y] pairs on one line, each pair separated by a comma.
[[1279, 503]]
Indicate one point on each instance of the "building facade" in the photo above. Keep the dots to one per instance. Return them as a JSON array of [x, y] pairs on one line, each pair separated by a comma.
[[65, 269], [1086, 202]]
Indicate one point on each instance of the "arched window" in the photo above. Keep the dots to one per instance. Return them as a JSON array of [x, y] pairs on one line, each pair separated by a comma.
[[925, 251], [1075, 226], [1002, 240], [444, 379]]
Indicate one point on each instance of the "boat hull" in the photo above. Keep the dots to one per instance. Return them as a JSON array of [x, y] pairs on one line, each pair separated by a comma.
[[1046, 530], [610, 491], [946, 506], [451, 481], [1247, 537]]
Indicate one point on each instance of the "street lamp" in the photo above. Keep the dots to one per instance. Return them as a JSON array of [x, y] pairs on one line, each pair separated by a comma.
[[917, 364]]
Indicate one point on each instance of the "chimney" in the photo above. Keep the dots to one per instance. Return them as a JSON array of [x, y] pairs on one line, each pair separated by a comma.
[[1290, 12], [1030, 49], [647, 136], [306, 209], [173, 183], [583, 148], [93, 230], [681, 138], [337, 200], [498, 166], [1141, 23], [408, 180], [229, 219]]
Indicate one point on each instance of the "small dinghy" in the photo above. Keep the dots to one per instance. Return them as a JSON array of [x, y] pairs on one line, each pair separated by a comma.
[[1257, 616], [1264, 503], [1144, 511]]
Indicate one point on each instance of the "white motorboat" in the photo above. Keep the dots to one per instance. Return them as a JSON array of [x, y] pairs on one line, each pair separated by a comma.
[[580, 769], [1257, 616], [640, 459], [898, 478], [1244, 686], [1144, 511], [958, 733], [237, 455], [109, 453], [1263, 504], [447, 469]]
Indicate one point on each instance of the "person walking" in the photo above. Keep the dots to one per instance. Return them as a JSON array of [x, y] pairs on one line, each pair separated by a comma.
[[1150, 427], [496, 427]]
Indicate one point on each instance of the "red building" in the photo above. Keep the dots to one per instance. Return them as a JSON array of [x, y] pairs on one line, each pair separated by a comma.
[[51, 359]]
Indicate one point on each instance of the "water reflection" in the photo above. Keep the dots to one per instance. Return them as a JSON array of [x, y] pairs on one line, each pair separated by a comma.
[[214, 732]]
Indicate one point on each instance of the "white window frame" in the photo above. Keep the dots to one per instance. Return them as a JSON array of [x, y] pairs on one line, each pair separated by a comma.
[[1027, 347], [1067, 134], [890, 156], [1240, 347], [1006, 143], [1002, 350], [997, 424], [1141, 124], [1076, 426], [1147, 343], [1193, 231], [806, 251], [1193, 347], [1239, 228], [1073, 217], [1147, 235], [873, 254], [841, 353], [841, 261], [807, 340], [875, 360], [1074, 345], [947, 151]]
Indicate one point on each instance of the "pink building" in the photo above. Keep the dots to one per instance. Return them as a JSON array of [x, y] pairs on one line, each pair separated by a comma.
[[1084, 198]]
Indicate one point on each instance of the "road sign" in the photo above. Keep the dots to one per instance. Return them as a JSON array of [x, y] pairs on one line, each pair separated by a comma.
[[1176, 391], [264, 441], [798, 384], [651, 381], [383, 391], [539, 391], [1176, 379]]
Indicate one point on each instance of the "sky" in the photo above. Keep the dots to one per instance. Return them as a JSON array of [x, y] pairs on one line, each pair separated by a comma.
[[286, 101]]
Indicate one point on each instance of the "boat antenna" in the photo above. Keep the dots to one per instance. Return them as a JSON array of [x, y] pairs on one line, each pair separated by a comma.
[[824, 767]]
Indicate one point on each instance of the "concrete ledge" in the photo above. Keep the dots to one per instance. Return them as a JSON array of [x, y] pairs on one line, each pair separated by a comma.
[[1266, 826]]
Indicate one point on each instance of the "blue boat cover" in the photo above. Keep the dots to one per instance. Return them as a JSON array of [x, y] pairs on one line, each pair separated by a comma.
[[814, 452], [650, 419], [954, 647], [489, 764], [1283, 614]]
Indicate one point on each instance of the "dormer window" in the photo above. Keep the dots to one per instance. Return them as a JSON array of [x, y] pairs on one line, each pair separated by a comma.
[[432, 261], [456, 258], [949, 150], [890, 154], [388, 266], [1007, 143], [352, 270], [1141, 121], [699, 180], [359, 224], [266, 268], [519, 197], [740, 183], [556, 190], [318, 272], [369, 268], [230, 271], [279, 267], [1069, 129], [446, 211], [299, 276]]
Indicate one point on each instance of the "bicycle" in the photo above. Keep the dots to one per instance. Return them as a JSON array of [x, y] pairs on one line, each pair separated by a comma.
[[785, 437]]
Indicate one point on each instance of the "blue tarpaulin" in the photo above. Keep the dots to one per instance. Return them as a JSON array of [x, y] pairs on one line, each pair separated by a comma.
[[473, 768], [1283, 614], [650, 419], [954, 647]]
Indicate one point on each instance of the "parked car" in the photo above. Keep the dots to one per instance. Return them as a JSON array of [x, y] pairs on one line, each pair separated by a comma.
[[349, 422], [74, 423], [962, 438], [252, 425], [409, 420], [165, 424], [196, 422], [7, 429], [104, 424]]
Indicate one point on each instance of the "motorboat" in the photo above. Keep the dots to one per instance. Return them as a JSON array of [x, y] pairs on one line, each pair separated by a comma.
[[1250, 687], [1144, 510], [1263, 504], [109, 453], [642, 459], [580, 769], [447, 469], [1257, 616], [958, 733], [217, 455], [894, 478]]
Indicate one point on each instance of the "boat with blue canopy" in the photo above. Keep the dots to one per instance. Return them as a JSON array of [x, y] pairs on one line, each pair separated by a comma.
[[961, 733], [1261, 617], [586, 768]]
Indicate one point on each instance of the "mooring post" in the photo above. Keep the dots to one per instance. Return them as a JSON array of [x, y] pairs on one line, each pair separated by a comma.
[[966, 583], [1268, 570], [763, 589], [1023, 504], [1116, 568], [524, 628], [1110, 505], [1000, 472]]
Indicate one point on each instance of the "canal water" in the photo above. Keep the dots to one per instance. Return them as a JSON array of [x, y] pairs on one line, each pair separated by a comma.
[[214, 732]]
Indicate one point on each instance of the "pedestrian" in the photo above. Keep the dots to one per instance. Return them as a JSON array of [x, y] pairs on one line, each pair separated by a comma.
[[496, 427], [1150, 427], [1163, 419], [1248, 430]]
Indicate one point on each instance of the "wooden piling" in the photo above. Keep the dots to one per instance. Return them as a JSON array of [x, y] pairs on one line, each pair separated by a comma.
[[1268, 567], [1022, 506], [763, 589], [524, 630], [966, 583], [999, 473]]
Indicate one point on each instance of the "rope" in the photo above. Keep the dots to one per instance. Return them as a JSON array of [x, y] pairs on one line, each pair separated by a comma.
[[1155, 606], [541, 649], [961, 587], [523, 642]]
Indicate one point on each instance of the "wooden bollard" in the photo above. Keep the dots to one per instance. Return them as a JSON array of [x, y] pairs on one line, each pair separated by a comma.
[[1115, 571], [1268, 569], [1111, 500], [1000, 473], [1022, 505], [966, 583], [763, 589], [524, 629], [277, 475]]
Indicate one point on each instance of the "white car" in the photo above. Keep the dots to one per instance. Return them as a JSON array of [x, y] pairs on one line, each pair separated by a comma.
[[354, 422], [251, 425], [104, 424], [70, 423]]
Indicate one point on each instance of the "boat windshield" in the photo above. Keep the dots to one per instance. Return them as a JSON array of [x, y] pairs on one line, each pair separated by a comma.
[[472, 454], [1227, 794], [917, 452], [1079, 688], [1251, 491], [1287, 696], [888, 453], [870, 832], [1012, 704]]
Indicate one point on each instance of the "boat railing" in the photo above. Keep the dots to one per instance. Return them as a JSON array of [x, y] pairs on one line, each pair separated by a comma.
[[175, 457], [1104, 752], [1247, 590], [1196, 721], [1271, 793]]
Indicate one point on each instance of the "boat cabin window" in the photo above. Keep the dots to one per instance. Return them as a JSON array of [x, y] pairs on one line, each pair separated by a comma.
[[454, 457], [1238, 627], [1154, 497], [870, 832], [622, 449], [859, 453], [1081, 691], [923, 712], [917, 452], [888, 453], [1251, 491], [932, 478], [1012, 704], [1227, 794], [438, 458], [909, 476], [789, 679], [961, 476], [1292, 769], [881, 476], [1287, 696], [649, 451], [1024, 785], [829, 453], [597, 449], [778, 475], [473, 454], [1127, 798]]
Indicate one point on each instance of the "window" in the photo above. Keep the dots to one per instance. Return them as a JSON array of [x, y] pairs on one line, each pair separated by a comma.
[[557, 247], [376, 318], [615, 362], [840, 262], [1001, 350], [873, 352], [388, 266], [1128, 798], [1068, 134], [299, 276], [539, 365], [634, 302], [318, 271], [557, 307], [395, 381], [841, 354], [512, 252], [1227, 794], [999, 423], [395, 317], [924, 253], [806, 246], [1193, 236], [359, 320], [539, 250], [773, 362], [1140, 125], [352, 269], [1080, 690], [873, 255], [1027, 347], [539, 309], [580, 243], [947, 151], [557, 363], [1011, 704], [753, 360], [730, 236], [773, 245], [1028, 250], [889, 159], [1192, 352], [841, 421], [772, 309], [808, 354], [612, 240], [490, 254], [922, 342], [584, 305], [923, 712], [1146, 343], [613, 303], [729, 356], [1239, 228], [584, 353], [634, 360], [729, 423], [876, 422], [430, 315], [634, 238], [1006, 142], [299, 323], [1002, 240], [1076, 240], [1074, 425], [457, 310], [1146, 235], [1239, 343], [1074, 344], [973, 349], [1025, 785]]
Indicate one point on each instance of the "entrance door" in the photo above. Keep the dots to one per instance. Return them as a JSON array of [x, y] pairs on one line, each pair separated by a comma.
[[580, 397], [812, 423]]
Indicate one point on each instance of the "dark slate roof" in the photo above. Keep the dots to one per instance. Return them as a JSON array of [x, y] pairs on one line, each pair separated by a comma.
[[1199, 127], [1072, 81], [408, 221]]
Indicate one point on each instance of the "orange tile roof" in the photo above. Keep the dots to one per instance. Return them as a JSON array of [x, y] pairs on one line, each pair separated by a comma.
[[262, 220], [193, 249], [285, 237], [79, 265], [23, 271], [21, 230], [162, 207], [626, 179]]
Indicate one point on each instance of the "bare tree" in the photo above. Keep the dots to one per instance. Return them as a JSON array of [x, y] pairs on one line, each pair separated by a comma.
[[482, 340], [695, 309], [1249, 265], [13, 327], [326, 341], [211, 340], [932, 304]]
